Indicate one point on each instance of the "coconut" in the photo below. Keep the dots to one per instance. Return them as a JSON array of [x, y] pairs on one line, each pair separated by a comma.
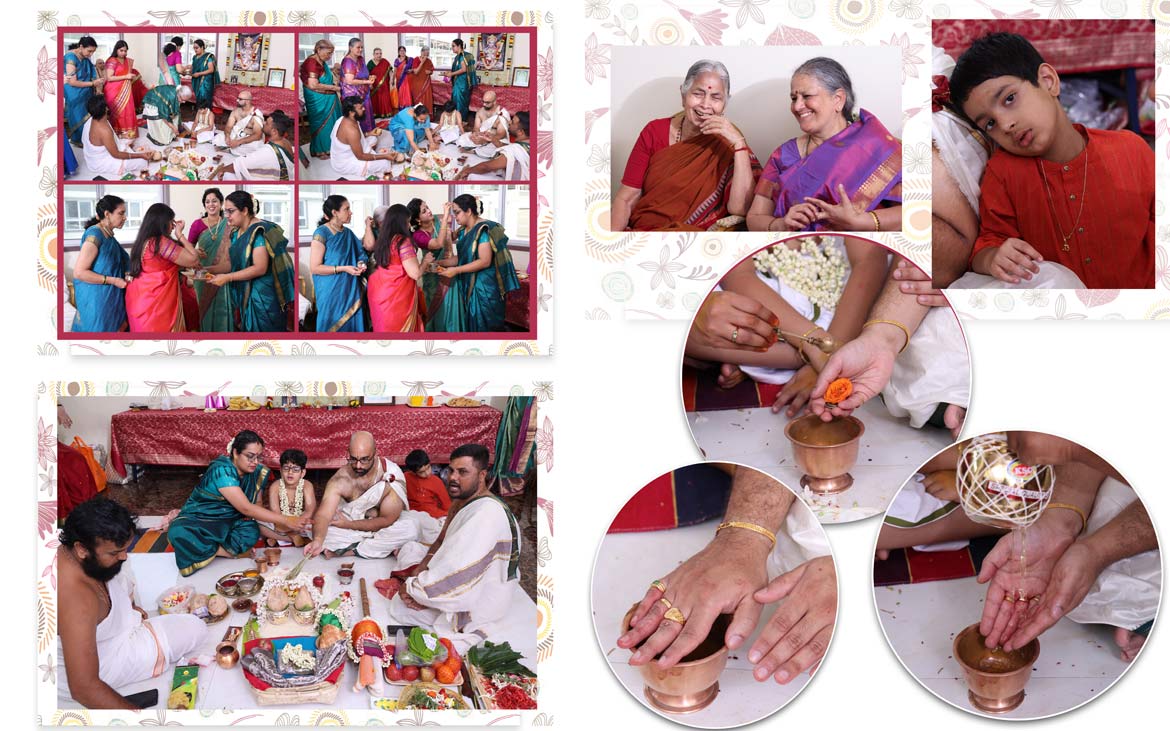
[[198, 602], [303, 601], [277, 600]]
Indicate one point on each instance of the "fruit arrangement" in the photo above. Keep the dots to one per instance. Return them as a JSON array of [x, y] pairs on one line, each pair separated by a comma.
[[444, 665]]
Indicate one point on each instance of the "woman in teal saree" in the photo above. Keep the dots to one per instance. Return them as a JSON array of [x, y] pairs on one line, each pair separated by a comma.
[[204, 72], [219, 518], [336, 261], [213, 239], [81, 80], [321, 103], [261, 275], [99, 277], [483, 269], [462, 77]]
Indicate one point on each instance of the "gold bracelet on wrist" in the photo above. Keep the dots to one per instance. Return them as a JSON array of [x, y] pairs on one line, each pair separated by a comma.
[[1080, 513], [877, 222], [749, 526], [900, 326]]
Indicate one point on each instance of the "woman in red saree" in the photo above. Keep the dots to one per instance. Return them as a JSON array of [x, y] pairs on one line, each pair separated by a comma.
[[396, 303], [382, 94], [841, 174], [119, 90], [420, 80], [403, 65], [154, 300], [688, 171]]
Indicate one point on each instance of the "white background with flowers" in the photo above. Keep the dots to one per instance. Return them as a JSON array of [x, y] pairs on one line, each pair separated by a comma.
[[43, 114], [47, 599], [665, 275]]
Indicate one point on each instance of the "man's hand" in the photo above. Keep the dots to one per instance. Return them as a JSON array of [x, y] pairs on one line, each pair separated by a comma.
[[720, 579], [917, 282], [1013, 259], [867, 361], [1018, 571], [798, 634], [1071, 580], [1039, 448]]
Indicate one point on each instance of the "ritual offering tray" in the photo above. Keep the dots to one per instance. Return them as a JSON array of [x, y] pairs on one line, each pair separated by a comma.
[[419, 655], [238, 584], [430, 697], [461, 402], [499, 680]]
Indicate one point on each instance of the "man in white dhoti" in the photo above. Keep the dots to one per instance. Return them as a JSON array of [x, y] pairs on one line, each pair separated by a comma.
[[511, 157], [106, 640], [100, 145], [464, 584], [491, 121], [364, 508], [351, 153], [274, 160], [245, 126]]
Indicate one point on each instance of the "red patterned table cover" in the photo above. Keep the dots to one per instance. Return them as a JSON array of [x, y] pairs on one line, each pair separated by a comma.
[[514, 98], [1071, 46], [516, 304], [264, 98], [193, 437]]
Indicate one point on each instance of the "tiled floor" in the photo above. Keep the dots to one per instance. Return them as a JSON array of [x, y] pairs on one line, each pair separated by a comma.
[[1077, 661], [890, 452], [641, 558]]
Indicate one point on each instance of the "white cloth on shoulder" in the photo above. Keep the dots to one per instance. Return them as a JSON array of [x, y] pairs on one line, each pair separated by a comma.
[[465, 587], [263, 164], [411, 525], [243, 128], [127, 651], [499, 118], [99, 160], [517, 156], [345, 163]]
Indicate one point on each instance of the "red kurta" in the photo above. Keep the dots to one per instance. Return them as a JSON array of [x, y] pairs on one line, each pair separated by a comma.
[[1112, 246], [429, 495]]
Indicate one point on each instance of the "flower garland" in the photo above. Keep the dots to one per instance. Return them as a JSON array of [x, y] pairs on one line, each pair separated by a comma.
[[298, 501], [818, 270]]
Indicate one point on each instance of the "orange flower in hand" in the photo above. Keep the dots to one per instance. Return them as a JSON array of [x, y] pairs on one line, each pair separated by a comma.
[[838, 391]]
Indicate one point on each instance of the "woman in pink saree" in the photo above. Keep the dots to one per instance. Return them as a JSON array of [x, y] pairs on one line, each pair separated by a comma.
[[395, 298], [119, 90], [843, 173], [154, 300]]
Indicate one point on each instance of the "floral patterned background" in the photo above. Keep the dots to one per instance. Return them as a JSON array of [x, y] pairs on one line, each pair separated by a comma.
[[44, 119], [46, 538], [666, 275]]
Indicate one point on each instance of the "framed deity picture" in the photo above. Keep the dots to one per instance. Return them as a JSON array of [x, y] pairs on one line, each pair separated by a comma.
[[276, 77], [247, 57], [493, 56], [520, 76]]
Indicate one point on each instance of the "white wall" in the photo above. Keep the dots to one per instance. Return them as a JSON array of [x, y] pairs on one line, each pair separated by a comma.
[[91, 415], [646, 82], [143, 48]]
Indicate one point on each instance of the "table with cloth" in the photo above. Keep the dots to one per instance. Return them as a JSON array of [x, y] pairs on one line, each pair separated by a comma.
[[193, 437], [513, 98], [265, 98]]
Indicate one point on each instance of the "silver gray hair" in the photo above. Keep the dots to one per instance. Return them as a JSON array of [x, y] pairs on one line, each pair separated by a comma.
[[424, 49], [832, 76], [706, 66]]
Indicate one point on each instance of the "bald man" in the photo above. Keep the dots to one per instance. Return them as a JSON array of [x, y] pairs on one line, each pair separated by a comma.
[[364, 509], [491, 121]]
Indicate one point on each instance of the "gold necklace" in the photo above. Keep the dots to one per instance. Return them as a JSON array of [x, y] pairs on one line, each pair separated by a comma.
[[1052, 204]]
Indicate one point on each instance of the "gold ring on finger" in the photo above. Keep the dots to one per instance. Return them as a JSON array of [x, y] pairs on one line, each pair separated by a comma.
[[665, 602], [735, 335], [657, 584], [1008, 598], [674, 614]]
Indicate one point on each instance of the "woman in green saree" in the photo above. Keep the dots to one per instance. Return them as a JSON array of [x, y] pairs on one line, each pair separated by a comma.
[[261, 269], [219, 518], [321, 103], [483, 269], [204, 73], [212, 236]]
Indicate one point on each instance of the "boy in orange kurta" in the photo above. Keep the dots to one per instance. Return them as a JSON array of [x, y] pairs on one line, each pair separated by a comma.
[[1054, 191], [424, 491]]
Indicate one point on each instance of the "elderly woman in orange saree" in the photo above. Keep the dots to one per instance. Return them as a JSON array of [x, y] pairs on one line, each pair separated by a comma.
[[119, 90], [396, 300], [154, 300], [419, 79], [688, 171]]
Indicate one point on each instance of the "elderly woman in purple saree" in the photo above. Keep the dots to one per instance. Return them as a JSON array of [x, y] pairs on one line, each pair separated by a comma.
[[842, 174]]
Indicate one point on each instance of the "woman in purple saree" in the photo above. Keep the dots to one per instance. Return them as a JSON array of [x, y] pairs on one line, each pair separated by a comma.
[[841, 174]]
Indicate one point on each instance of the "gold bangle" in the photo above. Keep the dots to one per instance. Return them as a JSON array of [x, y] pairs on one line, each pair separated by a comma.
[[1075, 509], [749, 526], [898, 325], [877, 222]]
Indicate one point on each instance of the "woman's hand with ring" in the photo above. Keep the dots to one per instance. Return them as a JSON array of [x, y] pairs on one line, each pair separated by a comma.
[[800, 216], [844, 215], [732, 320]]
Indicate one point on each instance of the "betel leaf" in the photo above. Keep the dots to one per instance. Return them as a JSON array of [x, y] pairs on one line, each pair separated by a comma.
[[424, 644]]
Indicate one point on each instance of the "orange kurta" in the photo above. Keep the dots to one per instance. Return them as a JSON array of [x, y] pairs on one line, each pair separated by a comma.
[[1112, 245]]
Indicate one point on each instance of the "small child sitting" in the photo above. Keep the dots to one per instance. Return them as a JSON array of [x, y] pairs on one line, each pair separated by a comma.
[[425, 492], [292, 494], [1053, 191]]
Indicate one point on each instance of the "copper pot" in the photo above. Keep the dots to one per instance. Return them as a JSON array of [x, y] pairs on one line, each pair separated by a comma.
[[995, 678], [825, 451], [226, 655], [690, 685], [272, 555]]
